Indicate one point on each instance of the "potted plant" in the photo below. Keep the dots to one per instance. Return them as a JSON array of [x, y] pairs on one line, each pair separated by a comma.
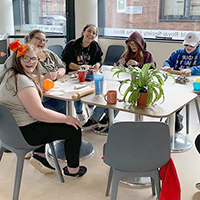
[[145, 80]]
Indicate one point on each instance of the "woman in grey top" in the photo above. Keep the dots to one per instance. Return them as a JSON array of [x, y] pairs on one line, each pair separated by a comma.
[[21, 92]]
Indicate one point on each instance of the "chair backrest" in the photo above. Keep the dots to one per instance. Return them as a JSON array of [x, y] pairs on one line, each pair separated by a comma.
[[10, 133], [57, 49], [137, 146], [113, 54]]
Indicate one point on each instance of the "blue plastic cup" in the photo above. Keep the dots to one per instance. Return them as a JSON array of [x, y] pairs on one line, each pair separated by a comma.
[[98, 81], [196, 86]]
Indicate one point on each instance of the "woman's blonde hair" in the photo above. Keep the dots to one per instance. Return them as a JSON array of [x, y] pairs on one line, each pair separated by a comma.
[[18, 69]]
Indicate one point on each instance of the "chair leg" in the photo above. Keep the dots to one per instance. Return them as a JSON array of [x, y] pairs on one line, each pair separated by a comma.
[[115, 184], [187, 118], [56, 162], [109, 181], [153, 186], [18, 175], [197, 107], [1, 151], [157, 183]]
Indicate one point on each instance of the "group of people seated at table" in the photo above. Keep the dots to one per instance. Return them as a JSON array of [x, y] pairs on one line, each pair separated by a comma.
[[43, 120]]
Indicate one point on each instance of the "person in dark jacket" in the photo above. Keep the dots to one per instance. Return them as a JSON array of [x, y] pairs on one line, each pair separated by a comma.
[[136, 53], [83, 51], [185, 61]]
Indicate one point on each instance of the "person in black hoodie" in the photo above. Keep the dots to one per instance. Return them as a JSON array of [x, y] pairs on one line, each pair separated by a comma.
[[83, 51]]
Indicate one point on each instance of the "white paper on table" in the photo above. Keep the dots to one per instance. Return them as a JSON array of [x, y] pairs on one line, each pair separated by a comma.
[[67, 90]]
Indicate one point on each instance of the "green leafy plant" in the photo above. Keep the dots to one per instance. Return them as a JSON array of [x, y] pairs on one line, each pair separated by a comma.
[[143, 80]]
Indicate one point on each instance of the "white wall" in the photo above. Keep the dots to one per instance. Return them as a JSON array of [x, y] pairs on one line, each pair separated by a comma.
[[86, 13], [160, 50]]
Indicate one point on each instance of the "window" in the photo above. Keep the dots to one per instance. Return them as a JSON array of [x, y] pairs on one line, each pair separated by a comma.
[[166, 19], [184, 10], [47, 15]]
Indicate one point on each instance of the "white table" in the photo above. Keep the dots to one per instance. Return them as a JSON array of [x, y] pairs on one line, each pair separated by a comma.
[[175, 99]]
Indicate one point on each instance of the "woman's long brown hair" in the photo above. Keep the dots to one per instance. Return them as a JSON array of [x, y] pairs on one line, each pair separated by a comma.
[[18, 69], [129, 54]]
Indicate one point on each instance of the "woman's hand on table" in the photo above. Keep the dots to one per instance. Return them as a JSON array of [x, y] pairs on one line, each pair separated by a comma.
[[133, 63], [73, 121], [122, 61], [51, 75], [96, 66]]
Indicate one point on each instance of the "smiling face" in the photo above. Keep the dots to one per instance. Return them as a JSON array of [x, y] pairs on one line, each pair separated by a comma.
[[89, 34], [29, 61], [190, 49], [38, 40]]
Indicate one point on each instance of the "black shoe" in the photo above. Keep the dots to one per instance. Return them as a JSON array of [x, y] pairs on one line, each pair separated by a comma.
[[81, 172], [102, 130], [41, 164], [90, 124], [104, 122], [178, 123]]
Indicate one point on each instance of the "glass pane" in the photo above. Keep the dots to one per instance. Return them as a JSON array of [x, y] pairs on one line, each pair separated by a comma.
[[195, 7], [172, 7], [166, 19], [47, 15]]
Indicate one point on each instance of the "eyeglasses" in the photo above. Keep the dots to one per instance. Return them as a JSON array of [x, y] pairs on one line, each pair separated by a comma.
[[187, 45], [28, 59], [41, 40], [132, 45]]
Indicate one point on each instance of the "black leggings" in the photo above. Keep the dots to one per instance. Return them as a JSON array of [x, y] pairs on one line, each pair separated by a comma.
[[41, 133]]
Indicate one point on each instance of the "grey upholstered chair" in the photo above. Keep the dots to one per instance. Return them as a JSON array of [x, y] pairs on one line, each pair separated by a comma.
[[136, 149], [57, 49], [113, 54], [12, 139]]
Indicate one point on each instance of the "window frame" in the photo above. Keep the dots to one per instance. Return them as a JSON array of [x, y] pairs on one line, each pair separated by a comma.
[[176, 18]]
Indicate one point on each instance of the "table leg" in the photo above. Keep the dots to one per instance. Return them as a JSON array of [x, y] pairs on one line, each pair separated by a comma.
[[178, 142], [197, 107], [111, 116], [86, 150]]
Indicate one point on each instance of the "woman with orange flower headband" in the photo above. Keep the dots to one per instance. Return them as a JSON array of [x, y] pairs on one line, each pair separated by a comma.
[[51, 67], [21, 93]]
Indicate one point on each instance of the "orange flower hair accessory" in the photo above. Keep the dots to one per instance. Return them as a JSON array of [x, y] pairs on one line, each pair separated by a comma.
[[14, 46]]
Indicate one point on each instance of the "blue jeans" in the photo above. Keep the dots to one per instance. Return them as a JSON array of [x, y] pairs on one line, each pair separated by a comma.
[[79, 107], [54, 104], [99, 111]]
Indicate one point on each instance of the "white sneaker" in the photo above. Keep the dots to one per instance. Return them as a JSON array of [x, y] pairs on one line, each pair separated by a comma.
[[81, 118]]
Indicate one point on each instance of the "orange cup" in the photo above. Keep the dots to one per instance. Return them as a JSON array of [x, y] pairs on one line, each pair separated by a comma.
[[48, 84], [111, 97]]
